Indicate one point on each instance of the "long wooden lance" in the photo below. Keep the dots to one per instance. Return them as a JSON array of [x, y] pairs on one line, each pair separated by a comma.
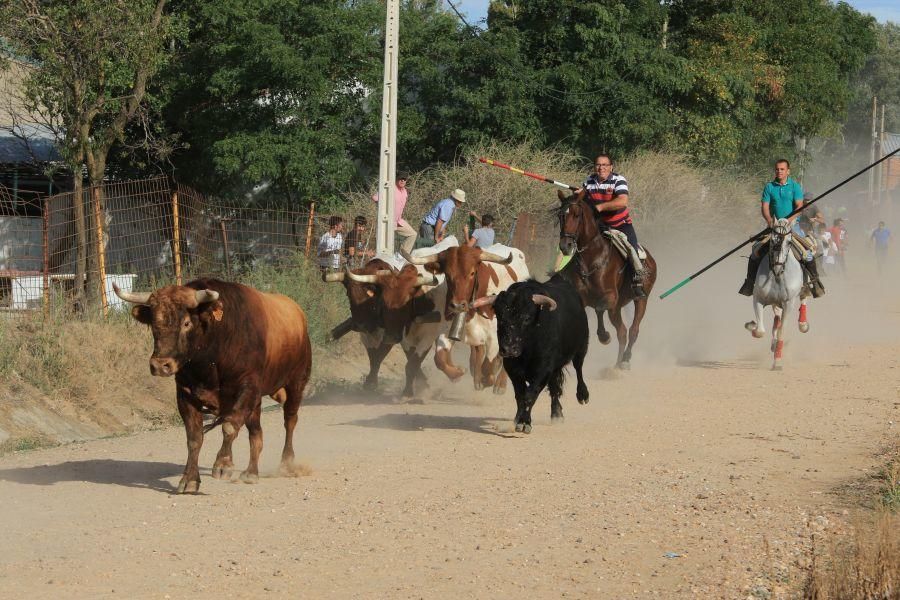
[[494, 163], [762, 233]]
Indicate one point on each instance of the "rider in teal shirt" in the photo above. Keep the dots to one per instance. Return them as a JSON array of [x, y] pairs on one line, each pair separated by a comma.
[[781, 197]]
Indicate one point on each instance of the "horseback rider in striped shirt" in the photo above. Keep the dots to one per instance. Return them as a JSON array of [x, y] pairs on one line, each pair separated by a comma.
[[608, 193]]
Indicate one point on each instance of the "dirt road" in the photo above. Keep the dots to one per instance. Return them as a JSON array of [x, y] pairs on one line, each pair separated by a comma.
[[699, 474]]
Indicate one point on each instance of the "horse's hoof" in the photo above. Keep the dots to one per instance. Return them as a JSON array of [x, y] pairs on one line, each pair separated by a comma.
[[188, 487], [221, 472], [758, 334], [583, 398], [604, 337], [248, 477], [527, 428], [804, 327], [479, 386], [520, 427], [499, 391], [624, 366], [554, 419], [750, 325]]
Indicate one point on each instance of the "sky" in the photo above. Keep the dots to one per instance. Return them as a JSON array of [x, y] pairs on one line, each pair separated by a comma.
[[882, 10]]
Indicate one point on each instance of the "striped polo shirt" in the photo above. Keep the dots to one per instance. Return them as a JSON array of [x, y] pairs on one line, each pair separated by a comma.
[[603, 191]]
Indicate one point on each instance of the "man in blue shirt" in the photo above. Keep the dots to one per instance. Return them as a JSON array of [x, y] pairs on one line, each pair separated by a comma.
[[434, 225], [882, 238], [781, 197]]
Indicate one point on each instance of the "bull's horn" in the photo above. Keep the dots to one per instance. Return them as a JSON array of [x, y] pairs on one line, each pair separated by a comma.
[[132, 297], [542, 300], [426, 280], [204, 296], [496, 258], [361, 278], [484, 301], [334, 276], [418, 260]]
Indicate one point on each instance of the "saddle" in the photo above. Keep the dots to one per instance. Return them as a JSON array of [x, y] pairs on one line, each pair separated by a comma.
[[620, 242]]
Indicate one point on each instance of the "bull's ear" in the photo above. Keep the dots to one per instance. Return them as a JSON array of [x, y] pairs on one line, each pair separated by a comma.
[[210, 311], [142, 314], [434, 268]]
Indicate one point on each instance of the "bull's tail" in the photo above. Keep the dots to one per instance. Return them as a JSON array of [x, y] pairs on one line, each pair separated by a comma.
[[216, 422]]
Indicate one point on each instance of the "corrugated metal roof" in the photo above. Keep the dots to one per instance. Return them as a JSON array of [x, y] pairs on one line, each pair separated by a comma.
[[891, 142], [37, 146]]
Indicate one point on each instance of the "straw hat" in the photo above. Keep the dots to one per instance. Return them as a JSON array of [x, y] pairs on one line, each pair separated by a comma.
[[458, 194]]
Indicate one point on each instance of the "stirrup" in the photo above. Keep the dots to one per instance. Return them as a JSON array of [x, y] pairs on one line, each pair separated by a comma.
[[637, 285]]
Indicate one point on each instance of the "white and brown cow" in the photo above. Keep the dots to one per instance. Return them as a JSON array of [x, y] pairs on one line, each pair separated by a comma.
[[473, 273]]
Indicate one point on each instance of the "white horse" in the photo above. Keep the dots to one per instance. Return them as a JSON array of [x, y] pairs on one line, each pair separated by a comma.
[[779, 283]]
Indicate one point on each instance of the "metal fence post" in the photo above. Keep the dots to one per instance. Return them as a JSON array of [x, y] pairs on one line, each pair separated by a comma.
[[101, 255], [45, 234], [176, 238], [309, 226], [225, 247]]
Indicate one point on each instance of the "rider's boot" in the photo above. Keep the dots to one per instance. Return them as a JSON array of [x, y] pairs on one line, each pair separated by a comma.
[[815, 284], [637, 273], [637, 284], [752, 267]]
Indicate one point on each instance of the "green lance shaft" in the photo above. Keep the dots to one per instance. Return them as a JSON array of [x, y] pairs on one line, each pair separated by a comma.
[[762, 233]]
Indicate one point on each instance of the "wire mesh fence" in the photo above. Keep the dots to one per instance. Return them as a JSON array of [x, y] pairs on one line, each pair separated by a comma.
[[140, 235]]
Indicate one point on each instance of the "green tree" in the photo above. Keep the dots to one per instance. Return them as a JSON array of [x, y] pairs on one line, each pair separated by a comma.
[[91, 63], [879, 77], [271, 93]]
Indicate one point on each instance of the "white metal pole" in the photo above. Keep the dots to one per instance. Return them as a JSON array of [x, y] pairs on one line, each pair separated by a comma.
[[387, 164], [873, 142]]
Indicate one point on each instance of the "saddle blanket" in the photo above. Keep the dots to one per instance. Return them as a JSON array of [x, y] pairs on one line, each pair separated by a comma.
[[620, 242], [803, 248]]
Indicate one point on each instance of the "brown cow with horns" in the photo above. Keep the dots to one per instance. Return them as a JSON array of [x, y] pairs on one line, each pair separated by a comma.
[[227, 345]]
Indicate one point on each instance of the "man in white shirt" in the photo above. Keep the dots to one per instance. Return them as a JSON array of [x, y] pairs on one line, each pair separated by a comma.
[[331, 245]]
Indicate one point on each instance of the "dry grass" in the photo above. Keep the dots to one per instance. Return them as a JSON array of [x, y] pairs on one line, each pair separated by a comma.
[[669, 194], [864, 566], [866, 563], [64, 379]]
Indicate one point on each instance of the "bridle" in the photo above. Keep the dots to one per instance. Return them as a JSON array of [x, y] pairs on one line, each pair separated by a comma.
[[779, 246], [565, 235]]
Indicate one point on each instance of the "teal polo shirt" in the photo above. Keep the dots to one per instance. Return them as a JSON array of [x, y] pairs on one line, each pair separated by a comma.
[[781, 198]]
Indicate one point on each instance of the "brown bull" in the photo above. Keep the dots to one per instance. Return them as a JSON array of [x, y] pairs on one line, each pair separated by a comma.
[[388, 307], [227, 345]]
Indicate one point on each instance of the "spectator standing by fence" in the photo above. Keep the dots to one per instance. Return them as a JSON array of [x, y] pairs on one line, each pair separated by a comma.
[[331, 245], [356, 246], [402, 228]]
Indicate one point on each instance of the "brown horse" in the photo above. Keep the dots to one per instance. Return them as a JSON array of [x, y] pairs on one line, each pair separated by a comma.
[[600, 274]]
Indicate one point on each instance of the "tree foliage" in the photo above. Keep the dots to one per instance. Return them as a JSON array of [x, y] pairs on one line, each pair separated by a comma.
[[283, 96]]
